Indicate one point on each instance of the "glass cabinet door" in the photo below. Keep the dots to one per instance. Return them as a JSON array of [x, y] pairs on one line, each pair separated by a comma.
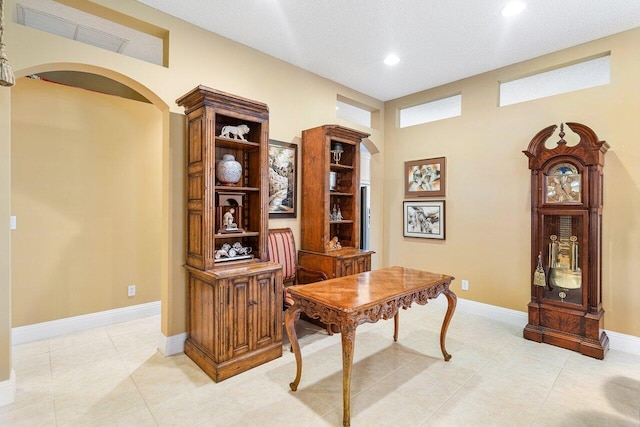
[[564, 256]]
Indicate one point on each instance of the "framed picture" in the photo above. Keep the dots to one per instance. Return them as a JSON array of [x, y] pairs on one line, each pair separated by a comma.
[[425, 177], [424, 219], [283, 165]]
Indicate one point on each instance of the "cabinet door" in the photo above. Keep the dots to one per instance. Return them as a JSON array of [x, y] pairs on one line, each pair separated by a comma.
[[239, 326], [265, 309], [345, 267], [362, 264], [255, 313]]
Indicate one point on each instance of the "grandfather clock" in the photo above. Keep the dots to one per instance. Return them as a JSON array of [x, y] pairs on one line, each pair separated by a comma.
[[566, 241]]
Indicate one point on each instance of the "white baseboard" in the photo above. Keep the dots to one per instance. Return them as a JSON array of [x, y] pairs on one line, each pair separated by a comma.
[[501, 314], [623, 342], [617, 341], [8, 390], [174, 344], [54, 328]]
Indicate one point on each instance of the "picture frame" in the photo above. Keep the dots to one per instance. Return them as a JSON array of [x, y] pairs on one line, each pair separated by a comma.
[[283, 172], [425, 178], [424, 219]]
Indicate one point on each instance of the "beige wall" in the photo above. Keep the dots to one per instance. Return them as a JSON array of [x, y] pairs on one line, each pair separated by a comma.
[[86, 191], [297, 100], [5, 235], [488, 180]]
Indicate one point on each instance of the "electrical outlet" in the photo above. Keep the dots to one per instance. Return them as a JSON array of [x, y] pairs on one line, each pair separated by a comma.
[[465, 285], [131, 290]]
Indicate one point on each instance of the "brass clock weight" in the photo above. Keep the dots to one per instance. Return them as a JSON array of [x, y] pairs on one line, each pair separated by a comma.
[[566, 235]]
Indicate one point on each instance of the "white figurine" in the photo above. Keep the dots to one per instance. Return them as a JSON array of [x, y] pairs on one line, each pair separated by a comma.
[[238, 132], [227, 220]]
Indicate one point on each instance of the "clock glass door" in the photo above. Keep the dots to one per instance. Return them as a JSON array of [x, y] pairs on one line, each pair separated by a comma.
[[563, 244]]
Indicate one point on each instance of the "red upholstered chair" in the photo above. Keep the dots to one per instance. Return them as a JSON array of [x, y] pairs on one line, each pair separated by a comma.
[[282, 249]]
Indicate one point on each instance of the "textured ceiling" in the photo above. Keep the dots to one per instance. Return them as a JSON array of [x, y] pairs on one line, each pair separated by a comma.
[[438, 41]]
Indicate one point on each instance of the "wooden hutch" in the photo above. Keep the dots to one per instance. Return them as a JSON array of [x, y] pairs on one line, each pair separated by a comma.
[[234, 297], [330, 214]]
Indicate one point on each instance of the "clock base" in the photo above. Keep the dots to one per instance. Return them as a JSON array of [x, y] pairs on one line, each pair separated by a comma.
[[567, 328], [583, 345]]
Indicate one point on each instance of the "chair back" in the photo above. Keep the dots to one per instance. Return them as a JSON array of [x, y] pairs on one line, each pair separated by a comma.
[[282, 249]]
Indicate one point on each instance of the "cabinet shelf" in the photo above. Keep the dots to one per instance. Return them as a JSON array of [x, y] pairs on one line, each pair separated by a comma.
[[339, 166], [341, 194], [236, 235], [235, 189], [344, 221], [236, 144]]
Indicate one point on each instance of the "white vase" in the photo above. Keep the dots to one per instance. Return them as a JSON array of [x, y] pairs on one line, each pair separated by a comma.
[[228, 170]]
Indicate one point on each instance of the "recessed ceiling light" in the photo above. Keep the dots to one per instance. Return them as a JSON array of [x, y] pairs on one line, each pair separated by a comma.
[[391, 60], [513, 8]]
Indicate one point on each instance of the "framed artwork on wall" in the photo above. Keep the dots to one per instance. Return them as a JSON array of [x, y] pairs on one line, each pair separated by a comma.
[[424, 219], [283, 165], [425, 177]]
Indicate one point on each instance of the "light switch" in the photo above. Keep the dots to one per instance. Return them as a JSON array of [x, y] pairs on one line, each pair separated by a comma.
[[12, 222]]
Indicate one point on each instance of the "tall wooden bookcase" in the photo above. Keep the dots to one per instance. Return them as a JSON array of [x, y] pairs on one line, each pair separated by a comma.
[[234, 313], [331, 186]]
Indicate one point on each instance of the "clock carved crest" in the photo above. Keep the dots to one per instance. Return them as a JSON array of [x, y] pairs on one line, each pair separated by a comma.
[[566, 241]]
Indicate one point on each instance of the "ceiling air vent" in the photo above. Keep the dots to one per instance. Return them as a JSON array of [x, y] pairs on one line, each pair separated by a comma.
[[62, 27], [138, 39]]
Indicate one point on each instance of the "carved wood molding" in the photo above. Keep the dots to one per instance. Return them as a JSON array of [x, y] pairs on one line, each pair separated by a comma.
[[589, 148]]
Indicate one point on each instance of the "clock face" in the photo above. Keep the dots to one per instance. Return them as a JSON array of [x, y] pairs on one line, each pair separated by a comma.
[[563, 184]]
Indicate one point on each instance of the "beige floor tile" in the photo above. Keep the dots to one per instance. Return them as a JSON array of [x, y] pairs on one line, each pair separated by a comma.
[[32, 365], [192, 407], [31, 389], [92, 406], [136, 416], [30, 349], [144, 324], [90, 338], [66, 358], [135, 341], [89, 378], [161, 378], [114, 376], [41, 414], [571, 410], [285, 411], [608, 394], [135, 359]]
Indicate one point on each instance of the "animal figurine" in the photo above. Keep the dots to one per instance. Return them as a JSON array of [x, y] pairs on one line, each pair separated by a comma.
[[237, 132]]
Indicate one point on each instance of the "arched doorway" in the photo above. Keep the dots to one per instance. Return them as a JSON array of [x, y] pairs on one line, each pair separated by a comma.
[[163, 237]]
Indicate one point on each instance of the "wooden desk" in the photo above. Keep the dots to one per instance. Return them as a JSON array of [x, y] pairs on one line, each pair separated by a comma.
[[365, 297]]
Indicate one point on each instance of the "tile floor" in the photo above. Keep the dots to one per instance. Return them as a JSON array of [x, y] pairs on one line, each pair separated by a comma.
[[113, 376]]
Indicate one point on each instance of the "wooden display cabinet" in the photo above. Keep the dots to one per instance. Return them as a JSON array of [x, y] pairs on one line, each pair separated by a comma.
[[234, 303], [208, 112], [330, 213]]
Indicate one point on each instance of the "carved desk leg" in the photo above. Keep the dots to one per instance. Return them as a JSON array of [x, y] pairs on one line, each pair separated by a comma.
[[348, 332], [451, 307], [396, 325], [291, 316]]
